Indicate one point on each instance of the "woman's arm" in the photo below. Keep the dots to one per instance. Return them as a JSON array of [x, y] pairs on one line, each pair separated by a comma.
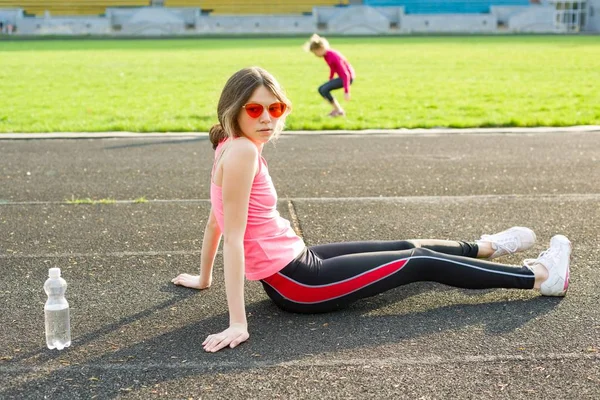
[[210, 244], [239, 169]]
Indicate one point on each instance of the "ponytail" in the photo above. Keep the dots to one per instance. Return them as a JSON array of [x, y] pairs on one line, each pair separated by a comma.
[[316, 42], [217, 134]]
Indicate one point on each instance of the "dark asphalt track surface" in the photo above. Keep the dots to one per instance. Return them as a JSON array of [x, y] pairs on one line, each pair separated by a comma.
[[137, 336]]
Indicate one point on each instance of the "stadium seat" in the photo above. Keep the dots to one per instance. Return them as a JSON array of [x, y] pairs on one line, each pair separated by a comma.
[[70, 7], [446, 6], [255, 6]]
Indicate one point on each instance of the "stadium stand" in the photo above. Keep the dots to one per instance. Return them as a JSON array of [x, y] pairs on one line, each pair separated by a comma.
[[223, 7], [445, 6], [70, 7], [277, 17]]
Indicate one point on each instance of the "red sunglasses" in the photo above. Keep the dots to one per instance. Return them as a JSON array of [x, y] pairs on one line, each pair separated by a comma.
[[255, 110]]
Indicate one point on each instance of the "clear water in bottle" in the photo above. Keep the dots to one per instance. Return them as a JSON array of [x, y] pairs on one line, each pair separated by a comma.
[[58, 326]]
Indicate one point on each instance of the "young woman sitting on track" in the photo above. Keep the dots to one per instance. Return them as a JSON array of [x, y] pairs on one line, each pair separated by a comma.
[[261, 245]]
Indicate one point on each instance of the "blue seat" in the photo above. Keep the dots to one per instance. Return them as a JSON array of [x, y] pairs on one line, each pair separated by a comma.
[[445, 6]]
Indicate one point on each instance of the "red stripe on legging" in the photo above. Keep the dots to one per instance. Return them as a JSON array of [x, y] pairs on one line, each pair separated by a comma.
[[301, 293]]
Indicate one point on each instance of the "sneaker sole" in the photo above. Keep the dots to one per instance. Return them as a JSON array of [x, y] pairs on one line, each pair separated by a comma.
[[566, 285]]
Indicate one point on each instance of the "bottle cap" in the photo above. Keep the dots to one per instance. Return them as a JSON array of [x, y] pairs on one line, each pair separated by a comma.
[[54, 273]]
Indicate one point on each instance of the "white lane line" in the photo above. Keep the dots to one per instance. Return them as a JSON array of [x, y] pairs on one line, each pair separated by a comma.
[[43, 203], [363, 132], [309, 362], [295, 220], [113, 254], [411, 199]]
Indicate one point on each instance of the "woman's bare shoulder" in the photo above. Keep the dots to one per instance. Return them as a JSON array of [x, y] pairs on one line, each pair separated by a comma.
[[242, 150], [243, 143]]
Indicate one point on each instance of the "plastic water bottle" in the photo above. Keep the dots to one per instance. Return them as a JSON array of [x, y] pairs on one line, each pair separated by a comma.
[[58, 326]]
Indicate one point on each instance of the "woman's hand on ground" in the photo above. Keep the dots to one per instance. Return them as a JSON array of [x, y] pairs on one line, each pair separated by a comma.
[[191, 281], [347, 96], [232, 336]]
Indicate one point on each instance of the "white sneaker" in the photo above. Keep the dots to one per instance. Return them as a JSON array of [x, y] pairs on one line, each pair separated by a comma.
[[556, 260], [510, 241]]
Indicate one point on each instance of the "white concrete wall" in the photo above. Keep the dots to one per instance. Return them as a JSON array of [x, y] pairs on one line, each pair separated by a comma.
[[63, 26], [256, 24], [503, 13], [537, 19], [158, 21], [149, 21], [358, 20], [448, 23], [11, 15], [593, 16], [155, 15]]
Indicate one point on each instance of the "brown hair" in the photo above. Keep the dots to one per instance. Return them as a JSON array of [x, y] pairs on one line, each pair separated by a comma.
[[235, 94]]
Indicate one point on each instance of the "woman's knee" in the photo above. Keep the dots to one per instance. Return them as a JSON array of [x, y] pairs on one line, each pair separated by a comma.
[[421, 251], [411, 244], [323, 91]]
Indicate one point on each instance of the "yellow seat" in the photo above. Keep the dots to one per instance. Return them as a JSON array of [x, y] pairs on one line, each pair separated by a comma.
[[70, 7], [255, 6], [95, 7]]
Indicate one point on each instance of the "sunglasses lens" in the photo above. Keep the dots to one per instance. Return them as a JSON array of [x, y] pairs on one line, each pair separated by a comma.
[[254, 110], [277, 109]]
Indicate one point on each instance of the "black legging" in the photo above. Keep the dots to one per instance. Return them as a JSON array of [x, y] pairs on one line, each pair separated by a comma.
[[326, 88], [331, 276]]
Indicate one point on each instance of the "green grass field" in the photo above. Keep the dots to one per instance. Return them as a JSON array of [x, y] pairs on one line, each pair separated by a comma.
[[402, 82]]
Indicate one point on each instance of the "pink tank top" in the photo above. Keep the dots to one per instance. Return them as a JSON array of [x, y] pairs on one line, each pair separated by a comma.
[[269, 242]]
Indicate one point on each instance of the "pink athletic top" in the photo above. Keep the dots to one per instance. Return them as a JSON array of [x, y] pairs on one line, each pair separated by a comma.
[[340, 66], [269, 242]]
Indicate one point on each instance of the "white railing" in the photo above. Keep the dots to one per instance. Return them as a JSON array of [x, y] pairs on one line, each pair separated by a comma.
[[569, 15]]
